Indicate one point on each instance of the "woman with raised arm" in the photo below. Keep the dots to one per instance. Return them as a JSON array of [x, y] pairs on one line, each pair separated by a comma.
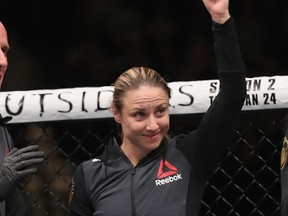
[[147, 173]]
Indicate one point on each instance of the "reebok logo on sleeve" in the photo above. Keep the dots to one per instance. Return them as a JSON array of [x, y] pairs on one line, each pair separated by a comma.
[[167, 173]]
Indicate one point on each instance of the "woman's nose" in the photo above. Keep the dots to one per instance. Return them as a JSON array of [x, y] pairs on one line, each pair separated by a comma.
[[152, 123]]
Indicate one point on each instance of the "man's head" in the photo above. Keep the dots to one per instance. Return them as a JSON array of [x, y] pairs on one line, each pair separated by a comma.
[[4, 47]]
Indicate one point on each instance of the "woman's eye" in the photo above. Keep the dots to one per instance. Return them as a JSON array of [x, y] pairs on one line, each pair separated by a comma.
[[139, 114], [161, 111]]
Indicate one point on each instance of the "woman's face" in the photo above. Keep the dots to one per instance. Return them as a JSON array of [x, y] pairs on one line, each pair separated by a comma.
[[144, 118]]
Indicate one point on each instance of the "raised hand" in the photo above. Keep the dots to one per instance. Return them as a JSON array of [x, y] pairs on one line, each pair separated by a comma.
[[218, 9]]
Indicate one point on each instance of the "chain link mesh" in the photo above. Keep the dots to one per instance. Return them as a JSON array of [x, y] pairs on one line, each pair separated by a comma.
[[246, 181]]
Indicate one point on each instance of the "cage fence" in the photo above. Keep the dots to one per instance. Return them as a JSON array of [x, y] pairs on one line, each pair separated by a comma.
[[246, 181]]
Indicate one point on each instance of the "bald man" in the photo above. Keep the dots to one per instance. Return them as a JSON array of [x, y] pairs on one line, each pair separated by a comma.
[[14, 163]]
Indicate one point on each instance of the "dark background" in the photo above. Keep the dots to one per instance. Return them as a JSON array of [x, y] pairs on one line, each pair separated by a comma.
[[59, 44], [65, 44]]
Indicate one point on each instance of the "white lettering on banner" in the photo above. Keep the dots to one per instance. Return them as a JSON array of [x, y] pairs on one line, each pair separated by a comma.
[[94, 102], [168, 180]]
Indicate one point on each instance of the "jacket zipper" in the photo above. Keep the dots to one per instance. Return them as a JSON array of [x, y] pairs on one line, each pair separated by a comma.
[[133, 202]]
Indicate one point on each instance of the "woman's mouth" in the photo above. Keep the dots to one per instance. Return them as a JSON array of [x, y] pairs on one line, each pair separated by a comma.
[[153, 136]]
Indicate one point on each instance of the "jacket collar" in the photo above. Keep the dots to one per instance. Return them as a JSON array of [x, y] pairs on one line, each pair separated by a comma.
[[113, 151]]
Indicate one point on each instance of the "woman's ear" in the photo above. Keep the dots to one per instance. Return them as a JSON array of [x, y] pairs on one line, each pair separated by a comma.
[[117, 118], [116, 114]]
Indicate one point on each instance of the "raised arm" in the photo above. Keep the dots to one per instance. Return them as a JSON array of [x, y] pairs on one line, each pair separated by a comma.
[[218, 125]]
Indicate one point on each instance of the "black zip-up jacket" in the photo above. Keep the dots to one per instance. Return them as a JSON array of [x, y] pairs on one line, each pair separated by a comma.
[[170, 181], [14, 204]]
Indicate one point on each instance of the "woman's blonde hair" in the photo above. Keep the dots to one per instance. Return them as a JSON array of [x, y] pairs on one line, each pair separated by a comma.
[[134, 78]]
